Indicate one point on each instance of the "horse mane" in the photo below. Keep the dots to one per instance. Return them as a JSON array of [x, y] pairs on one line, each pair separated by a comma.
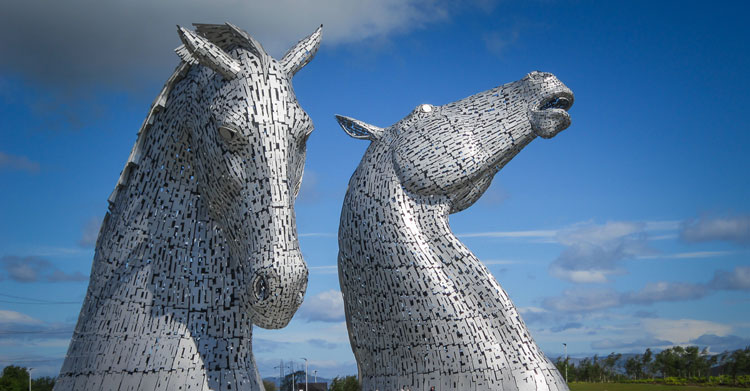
[[227, 37]]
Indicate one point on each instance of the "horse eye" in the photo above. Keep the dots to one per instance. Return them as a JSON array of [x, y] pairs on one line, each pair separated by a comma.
[[228, 132], [305, 136]]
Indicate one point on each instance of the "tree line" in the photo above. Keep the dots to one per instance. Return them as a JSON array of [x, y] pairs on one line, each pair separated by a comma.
[[346, 383], [690, 364], [676, 365], [16, 378]]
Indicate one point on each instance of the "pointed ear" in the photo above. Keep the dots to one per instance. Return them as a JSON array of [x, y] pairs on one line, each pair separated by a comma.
[[301, 53], [208, 54], [358, 129]]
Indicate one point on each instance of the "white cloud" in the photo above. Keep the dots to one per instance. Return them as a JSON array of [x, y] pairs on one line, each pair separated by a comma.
[[325, 269], [531, 310], [534, 234], [90, 232], [734, 229], [494, 196], [690, 255], [502, 262], [309, 192], [574, 300], [662, 225], [580, 276], [665, 291], [327, 306], [682, 331], [322, 343], [597, 235], [717, 344], [639, 344], [577, 300], [317, 235], [16, 318], [593, 252], [127, 38], [35, 269], [738, 279], [498, 41], [17, 163]]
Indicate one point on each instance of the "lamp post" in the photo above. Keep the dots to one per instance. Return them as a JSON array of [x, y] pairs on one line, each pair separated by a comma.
[[566, 362], [305, 372], [30, 368], [315, 372]]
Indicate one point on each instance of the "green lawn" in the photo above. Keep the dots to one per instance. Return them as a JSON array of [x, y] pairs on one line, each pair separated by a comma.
[[643, 387]]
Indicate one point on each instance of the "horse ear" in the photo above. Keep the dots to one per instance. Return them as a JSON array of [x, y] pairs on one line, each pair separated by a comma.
[[206, 53], [358, 129], [301, 53]]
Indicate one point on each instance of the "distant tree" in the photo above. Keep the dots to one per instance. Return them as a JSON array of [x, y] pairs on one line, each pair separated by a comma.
[[348, 383], [287, 385], [708, 361], [634, 367], [560, 364], [45, 383], [698, 363], [608, 370], [269, 385], [665, 362], [647, 363], [596, 373], [14, 379], [738, 363], [585, 370], [686, 362]]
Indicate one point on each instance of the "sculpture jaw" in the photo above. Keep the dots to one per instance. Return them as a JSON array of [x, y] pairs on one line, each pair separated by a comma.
[[550, 116]]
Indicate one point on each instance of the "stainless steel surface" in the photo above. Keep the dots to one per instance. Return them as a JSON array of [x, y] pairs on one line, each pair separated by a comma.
[[421, 309]]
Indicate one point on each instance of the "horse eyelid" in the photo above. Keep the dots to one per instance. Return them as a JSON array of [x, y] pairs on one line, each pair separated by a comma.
[[228, 131]]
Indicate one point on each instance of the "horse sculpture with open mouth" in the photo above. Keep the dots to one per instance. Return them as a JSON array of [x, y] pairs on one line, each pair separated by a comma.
[[200, 240], [422, 311]]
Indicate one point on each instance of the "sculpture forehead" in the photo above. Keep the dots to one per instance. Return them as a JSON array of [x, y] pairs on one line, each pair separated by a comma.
[[268, 102], [500, 100]]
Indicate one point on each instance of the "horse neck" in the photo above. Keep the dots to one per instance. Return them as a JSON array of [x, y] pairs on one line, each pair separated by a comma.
[[379, 202], [160, 199], [158, 239]]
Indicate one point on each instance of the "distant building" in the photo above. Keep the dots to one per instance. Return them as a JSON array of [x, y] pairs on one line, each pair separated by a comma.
[[312, 386]]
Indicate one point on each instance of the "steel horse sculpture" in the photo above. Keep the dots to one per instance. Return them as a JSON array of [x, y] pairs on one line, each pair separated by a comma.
[[200, 240], [421, 309]]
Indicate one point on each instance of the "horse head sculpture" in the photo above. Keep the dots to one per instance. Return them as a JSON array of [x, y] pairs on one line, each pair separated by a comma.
[[458, 147], [248, 120], [200, 241], [421, 309]]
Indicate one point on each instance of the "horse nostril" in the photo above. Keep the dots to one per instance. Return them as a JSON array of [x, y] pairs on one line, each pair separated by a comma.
[[260, 288]]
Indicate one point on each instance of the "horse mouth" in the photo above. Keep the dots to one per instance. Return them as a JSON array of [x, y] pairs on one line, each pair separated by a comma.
[[550, 116], [561, 100]]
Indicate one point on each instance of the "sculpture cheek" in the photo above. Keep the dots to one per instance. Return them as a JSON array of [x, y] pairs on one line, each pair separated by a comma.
[[412, 172], [438, 164]]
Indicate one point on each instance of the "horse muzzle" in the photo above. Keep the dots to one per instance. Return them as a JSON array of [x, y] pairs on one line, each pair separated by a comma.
[[276, 292]]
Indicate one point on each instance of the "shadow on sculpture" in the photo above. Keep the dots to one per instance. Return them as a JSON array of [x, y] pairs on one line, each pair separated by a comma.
[[421, 309], [200, 238]]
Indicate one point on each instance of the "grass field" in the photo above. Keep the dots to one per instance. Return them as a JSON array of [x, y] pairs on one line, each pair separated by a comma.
[[644, 387]]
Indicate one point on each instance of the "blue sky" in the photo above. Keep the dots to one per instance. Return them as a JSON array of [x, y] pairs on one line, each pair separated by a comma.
[[628, 230]]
